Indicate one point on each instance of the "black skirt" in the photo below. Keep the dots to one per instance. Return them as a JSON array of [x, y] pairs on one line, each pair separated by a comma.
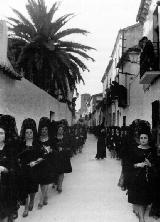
[[45, 172], [8, 195], [62, 162], [30, 184]]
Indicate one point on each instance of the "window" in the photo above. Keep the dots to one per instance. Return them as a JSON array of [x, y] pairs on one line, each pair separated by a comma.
[[155, 114], [118, 118], [156, 121], [52, 115], [113, 119]]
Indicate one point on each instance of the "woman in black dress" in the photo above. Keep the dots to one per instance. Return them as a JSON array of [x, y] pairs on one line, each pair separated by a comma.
[[46, 167], [8, 177], [112, 145], [13, 140], [30, 157], [141, 161], [123, 155], [63, 154], [118, 142], [101, 142]]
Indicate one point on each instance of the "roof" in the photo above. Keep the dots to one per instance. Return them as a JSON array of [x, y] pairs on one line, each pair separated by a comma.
[[143, 10], [120, 33], [8, 70]]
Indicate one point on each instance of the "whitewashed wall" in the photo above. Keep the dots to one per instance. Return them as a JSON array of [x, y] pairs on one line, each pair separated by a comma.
[[140, 106], [22, 99], [140, 100], [3, 42], [148, 24], [132, 35]]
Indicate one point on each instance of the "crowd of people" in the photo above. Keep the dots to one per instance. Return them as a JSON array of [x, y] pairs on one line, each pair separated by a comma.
[[33, 160], [40, 156], [135, 147]]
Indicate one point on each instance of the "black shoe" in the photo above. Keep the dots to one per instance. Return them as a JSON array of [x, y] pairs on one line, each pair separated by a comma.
[[40, 205], [45, 202], [15, 215], [25, 213], [30, 207], [59, 190]]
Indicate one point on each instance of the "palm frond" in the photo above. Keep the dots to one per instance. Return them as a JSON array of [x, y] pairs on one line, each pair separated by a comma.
[[59, 23], [64, 58], [79, 52], [76, 73], [16, 21], [37, 12], [73, 67], [42, 6], [70, 32], [22, 18], [71, 81], [78, 62], [74, 45], [24, 30], [52, 11], [20, 35]]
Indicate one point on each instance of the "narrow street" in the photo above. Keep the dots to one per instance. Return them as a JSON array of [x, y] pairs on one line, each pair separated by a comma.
[[90, 193]]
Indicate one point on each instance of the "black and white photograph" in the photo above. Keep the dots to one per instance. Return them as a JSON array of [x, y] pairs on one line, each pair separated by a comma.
[[80, 111]]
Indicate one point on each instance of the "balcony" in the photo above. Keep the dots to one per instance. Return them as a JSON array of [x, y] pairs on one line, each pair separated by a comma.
[[149, 63], [117, 92], [149, 77]]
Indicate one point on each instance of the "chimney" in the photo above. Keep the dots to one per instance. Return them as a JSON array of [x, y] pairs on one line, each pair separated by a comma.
[[3, 42]]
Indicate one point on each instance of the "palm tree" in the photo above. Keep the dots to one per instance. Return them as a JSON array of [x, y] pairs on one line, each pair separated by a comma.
[[48, 61]]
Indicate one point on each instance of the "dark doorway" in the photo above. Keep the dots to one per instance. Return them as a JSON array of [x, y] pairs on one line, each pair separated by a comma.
[[156, 121]]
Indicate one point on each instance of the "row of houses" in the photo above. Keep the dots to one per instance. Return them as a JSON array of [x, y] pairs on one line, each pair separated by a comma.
[[131, 82], [23, 99]]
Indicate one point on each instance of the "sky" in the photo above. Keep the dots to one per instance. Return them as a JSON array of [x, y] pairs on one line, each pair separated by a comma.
[[101, 18]]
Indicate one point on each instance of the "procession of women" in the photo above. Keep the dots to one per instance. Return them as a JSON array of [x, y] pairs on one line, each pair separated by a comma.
[[34, 161], [37, 159]]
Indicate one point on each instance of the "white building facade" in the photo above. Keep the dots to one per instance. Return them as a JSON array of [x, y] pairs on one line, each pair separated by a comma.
[[121, 70]]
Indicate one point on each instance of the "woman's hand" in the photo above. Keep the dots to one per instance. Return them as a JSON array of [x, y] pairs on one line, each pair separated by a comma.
[[39, 160], [147, 162], [141, 165], [32, 164], [60, 148], [3, 169]]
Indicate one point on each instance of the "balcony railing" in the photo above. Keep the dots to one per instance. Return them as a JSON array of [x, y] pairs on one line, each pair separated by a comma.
[[150, 63]]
